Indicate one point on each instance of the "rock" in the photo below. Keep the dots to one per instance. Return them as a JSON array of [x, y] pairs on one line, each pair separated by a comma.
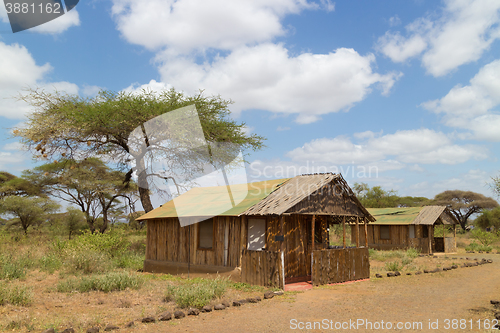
[[111, 328], [391, 274], [179, 314], [268, 295], [165, 316], [251, 300], [490, 261], [426, 271], [279, 293], [408, 273], [131, 324], [226, 304], [193, 312], [421, 255], [475, 264], [418, 272], [397, 273], [494, 301], [148, 320], [454, 266], [93, 330], [243, 301], [497, 315], [207, 308], [50, 330], [378, 276], [437, 270], [236, 303], [257, 298], [434, 256], [69, 330], [219, 307]]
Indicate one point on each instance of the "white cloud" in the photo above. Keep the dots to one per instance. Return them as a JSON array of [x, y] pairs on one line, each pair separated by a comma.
[[464, 31], [20, 71], [60, 24], [185, 25], [152, 86], [472, 107], [422, 146], [280, 128], [394, 21], [91, 90], [13, 146], [266, 77]]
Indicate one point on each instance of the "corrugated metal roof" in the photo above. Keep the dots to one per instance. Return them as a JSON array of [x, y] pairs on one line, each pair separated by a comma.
[[215, 201], [427, 215]]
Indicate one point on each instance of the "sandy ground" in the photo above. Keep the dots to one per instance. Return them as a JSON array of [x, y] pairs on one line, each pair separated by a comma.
[[438, 302]]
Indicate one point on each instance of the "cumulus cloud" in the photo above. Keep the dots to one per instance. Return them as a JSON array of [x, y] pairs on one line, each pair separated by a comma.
[[464, 30], [267, 77], [473, 106], [60, 24], [20, 71], [153, 86], [185, 25], [422, 146]]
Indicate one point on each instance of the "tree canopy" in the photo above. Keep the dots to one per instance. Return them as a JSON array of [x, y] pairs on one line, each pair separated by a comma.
[[69, 126], [463, 204], [28, 211], [90, 184], [377, 197], [489, 219]]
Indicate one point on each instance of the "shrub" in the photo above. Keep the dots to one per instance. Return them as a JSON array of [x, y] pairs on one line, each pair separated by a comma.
[[393, 266], [196, 293], [113, 281], [412, 253], [11, 269], [21, 295], [478, 247], [50, 263], [484, 237]]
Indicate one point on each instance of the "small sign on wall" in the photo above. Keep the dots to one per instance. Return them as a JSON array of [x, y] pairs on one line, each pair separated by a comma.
[[279, 238]]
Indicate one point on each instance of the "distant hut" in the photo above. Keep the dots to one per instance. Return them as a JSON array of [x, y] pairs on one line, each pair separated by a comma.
[[277, 234], [411, 227]]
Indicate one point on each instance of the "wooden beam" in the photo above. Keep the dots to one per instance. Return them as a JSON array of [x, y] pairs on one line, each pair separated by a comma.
[[343, 227], [366, 231], [430, 238], [312, 232], [357, 232]]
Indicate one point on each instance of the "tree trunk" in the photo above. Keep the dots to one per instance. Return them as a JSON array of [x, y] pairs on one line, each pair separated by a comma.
[[143, 185]]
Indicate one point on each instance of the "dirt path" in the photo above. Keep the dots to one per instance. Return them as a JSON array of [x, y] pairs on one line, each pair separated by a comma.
[[459, 294]]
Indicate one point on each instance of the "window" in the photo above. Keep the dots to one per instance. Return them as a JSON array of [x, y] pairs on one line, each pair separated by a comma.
[[256, 234], [385, 232], [206, 234], [412, 231]]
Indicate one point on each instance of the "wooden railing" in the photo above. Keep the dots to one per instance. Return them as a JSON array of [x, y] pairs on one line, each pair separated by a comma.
[[340, 265], [264, 268]]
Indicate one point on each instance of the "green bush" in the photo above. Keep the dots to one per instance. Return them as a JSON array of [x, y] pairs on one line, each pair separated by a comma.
[[113, 281], [412, 253], [16, 295], [50, 263], [484, 237], [393, 266], [130, 260], [478, 247], [11, 268], [87, 262], [197, 292]]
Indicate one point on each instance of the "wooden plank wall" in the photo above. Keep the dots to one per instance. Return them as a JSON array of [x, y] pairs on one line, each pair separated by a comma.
[[168, 241], [340, 265], [262, 268]]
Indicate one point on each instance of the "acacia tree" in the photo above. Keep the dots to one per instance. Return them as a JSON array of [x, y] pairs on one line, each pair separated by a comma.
[[377, 197], [11, 185], [28, 211], [75, 127], [464, 203], [89, 184]]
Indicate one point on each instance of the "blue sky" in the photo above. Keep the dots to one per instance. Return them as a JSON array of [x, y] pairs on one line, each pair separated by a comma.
[[402, 94]]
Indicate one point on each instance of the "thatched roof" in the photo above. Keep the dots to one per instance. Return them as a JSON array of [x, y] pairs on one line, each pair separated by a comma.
[[427, 215], [322, 194]]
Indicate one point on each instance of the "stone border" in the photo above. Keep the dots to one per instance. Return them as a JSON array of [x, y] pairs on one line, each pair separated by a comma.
[[166, 316]]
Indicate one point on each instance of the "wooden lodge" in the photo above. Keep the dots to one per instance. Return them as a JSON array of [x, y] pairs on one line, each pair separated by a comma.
[[411, 227], [274, 233]]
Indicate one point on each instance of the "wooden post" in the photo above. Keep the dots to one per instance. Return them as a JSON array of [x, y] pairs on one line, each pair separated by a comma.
[[357, 232], [312, 243], [343, 227], [366, 231], [443, 233], [430, 238], [282, 250]]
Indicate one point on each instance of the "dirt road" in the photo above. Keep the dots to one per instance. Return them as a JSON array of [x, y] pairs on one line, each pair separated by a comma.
[[423, 303]]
